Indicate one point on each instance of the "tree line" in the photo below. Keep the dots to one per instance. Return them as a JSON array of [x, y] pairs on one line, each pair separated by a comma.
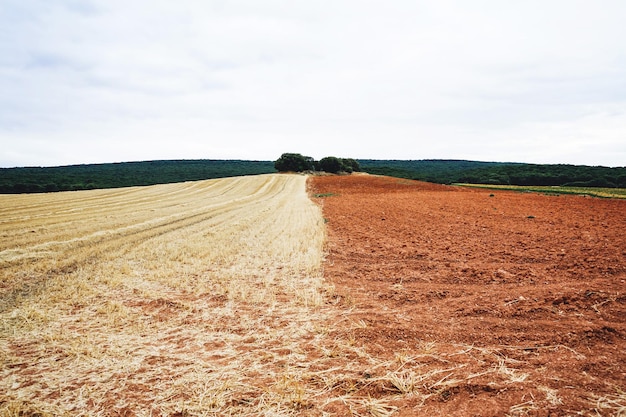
[[92, 176]]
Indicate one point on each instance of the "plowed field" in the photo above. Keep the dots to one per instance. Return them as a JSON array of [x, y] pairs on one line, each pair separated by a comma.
[[490, 302]]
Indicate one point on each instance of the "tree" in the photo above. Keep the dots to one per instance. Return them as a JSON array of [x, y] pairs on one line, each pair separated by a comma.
[[350, 165], [294, 162], [330, 164]]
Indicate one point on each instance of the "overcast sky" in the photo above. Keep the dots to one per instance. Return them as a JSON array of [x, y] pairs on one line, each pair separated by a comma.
[[85, 81]]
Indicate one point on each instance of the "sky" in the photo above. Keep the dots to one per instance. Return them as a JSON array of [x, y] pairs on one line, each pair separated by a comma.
[[93, 81]]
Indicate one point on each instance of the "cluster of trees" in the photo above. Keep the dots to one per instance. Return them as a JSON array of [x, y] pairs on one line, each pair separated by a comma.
[[296, 162], [125, 174]]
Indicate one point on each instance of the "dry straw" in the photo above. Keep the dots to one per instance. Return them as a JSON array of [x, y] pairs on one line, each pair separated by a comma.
[[186, 298]]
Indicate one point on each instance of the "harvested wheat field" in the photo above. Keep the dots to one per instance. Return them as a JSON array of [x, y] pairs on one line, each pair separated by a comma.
[[213, 298], [491, 303], [185, 299]]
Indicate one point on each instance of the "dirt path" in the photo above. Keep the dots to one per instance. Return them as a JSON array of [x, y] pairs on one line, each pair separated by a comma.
[[495, 303]]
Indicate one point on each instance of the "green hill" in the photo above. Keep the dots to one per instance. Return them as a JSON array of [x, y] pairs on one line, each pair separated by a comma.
[[125, 174], [502, 173]]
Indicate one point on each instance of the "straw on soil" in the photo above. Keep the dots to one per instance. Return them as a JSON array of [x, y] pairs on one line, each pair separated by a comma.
[[186, 298]]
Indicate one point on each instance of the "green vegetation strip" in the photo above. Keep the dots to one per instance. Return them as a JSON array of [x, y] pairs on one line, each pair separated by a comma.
[[556, 190]]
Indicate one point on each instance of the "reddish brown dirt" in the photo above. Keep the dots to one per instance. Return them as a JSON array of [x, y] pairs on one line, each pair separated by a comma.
[[515, 283]]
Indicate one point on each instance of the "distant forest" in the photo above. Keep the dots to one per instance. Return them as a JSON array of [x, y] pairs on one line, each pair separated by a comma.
[[85, 177], [124, 174], [501, 173]]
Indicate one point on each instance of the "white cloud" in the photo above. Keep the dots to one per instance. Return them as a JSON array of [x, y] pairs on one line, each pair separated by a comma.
[[110, 80]]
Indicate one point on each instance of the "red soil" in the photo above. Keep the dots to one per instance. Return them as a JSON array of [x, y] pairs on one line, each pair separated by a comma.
[[521, 297]]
